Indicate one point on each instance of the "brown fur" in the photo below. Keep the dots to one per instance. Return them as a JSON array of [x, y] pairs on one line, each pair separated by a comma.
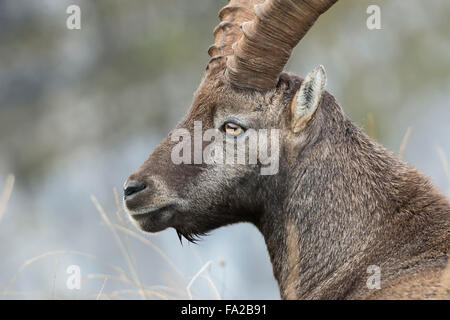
[[290, 283]]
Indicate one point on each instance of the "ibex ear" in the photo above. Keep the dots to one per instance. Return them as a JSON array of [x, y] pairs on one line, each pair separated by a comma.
[[307, 98]]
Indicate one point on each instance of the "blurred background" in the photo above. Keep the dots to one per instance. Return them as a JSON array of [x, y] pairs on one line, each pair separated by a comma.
[[82, 109]]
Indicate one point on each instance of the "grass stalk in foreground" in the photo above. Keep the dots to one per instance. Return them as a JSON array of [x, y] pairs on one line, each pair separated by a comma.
[[6, 194]]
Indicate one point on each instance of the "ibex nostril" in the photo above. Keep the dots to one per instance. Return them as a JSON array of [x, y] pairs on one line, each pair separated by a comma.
[[133, 187]]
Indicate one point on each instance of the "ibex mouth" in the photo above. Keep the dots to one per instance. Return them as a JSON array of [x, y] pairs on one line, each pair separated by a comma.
[[153, 219], [148, 211]]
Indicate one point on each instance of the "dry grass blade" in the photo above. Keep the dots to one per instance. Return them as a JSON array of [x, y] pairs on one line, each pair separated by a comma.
[[181, 293], [122, 222], [370, 122], [445, 165], [6, 194], [213, 286], [101, 289], [52, 253], [154, 288], [118, 240], [54, 278], [404, 142], [112, 277], [149, 293], [188, 288], [150, 244], [119, 210]]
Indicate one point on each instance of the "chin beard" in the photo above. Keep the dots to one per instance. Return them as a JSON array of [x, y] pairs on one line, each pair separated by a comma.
[[187, 232], [189, 236]]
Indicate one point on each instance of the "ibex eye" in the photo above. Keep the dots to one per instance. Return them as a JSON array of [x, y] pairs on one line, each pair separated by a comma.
[[233, 129]]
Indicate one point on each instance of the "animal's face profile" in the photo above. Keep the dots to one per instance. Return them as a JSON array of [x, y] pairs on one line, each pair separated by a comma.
[[222, 161], [193, 181], [199, 179]]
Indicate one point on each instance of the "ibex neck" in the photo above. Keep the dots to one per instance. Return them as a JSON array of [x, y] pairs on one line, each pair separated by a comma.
[[351, 205]]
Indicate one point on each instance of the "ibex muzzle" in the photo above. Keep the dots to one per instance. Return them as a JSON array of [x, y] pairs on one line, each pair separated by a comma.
[[338, 202]]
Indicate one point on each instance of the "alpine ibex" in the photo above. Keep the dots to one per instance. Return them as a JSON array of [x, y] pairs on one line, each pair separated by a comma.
[[339, 203]]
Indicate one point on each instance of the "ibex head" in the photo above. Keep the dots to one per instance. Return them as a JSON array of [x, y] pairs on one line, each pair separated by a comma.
[[244, 95]]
